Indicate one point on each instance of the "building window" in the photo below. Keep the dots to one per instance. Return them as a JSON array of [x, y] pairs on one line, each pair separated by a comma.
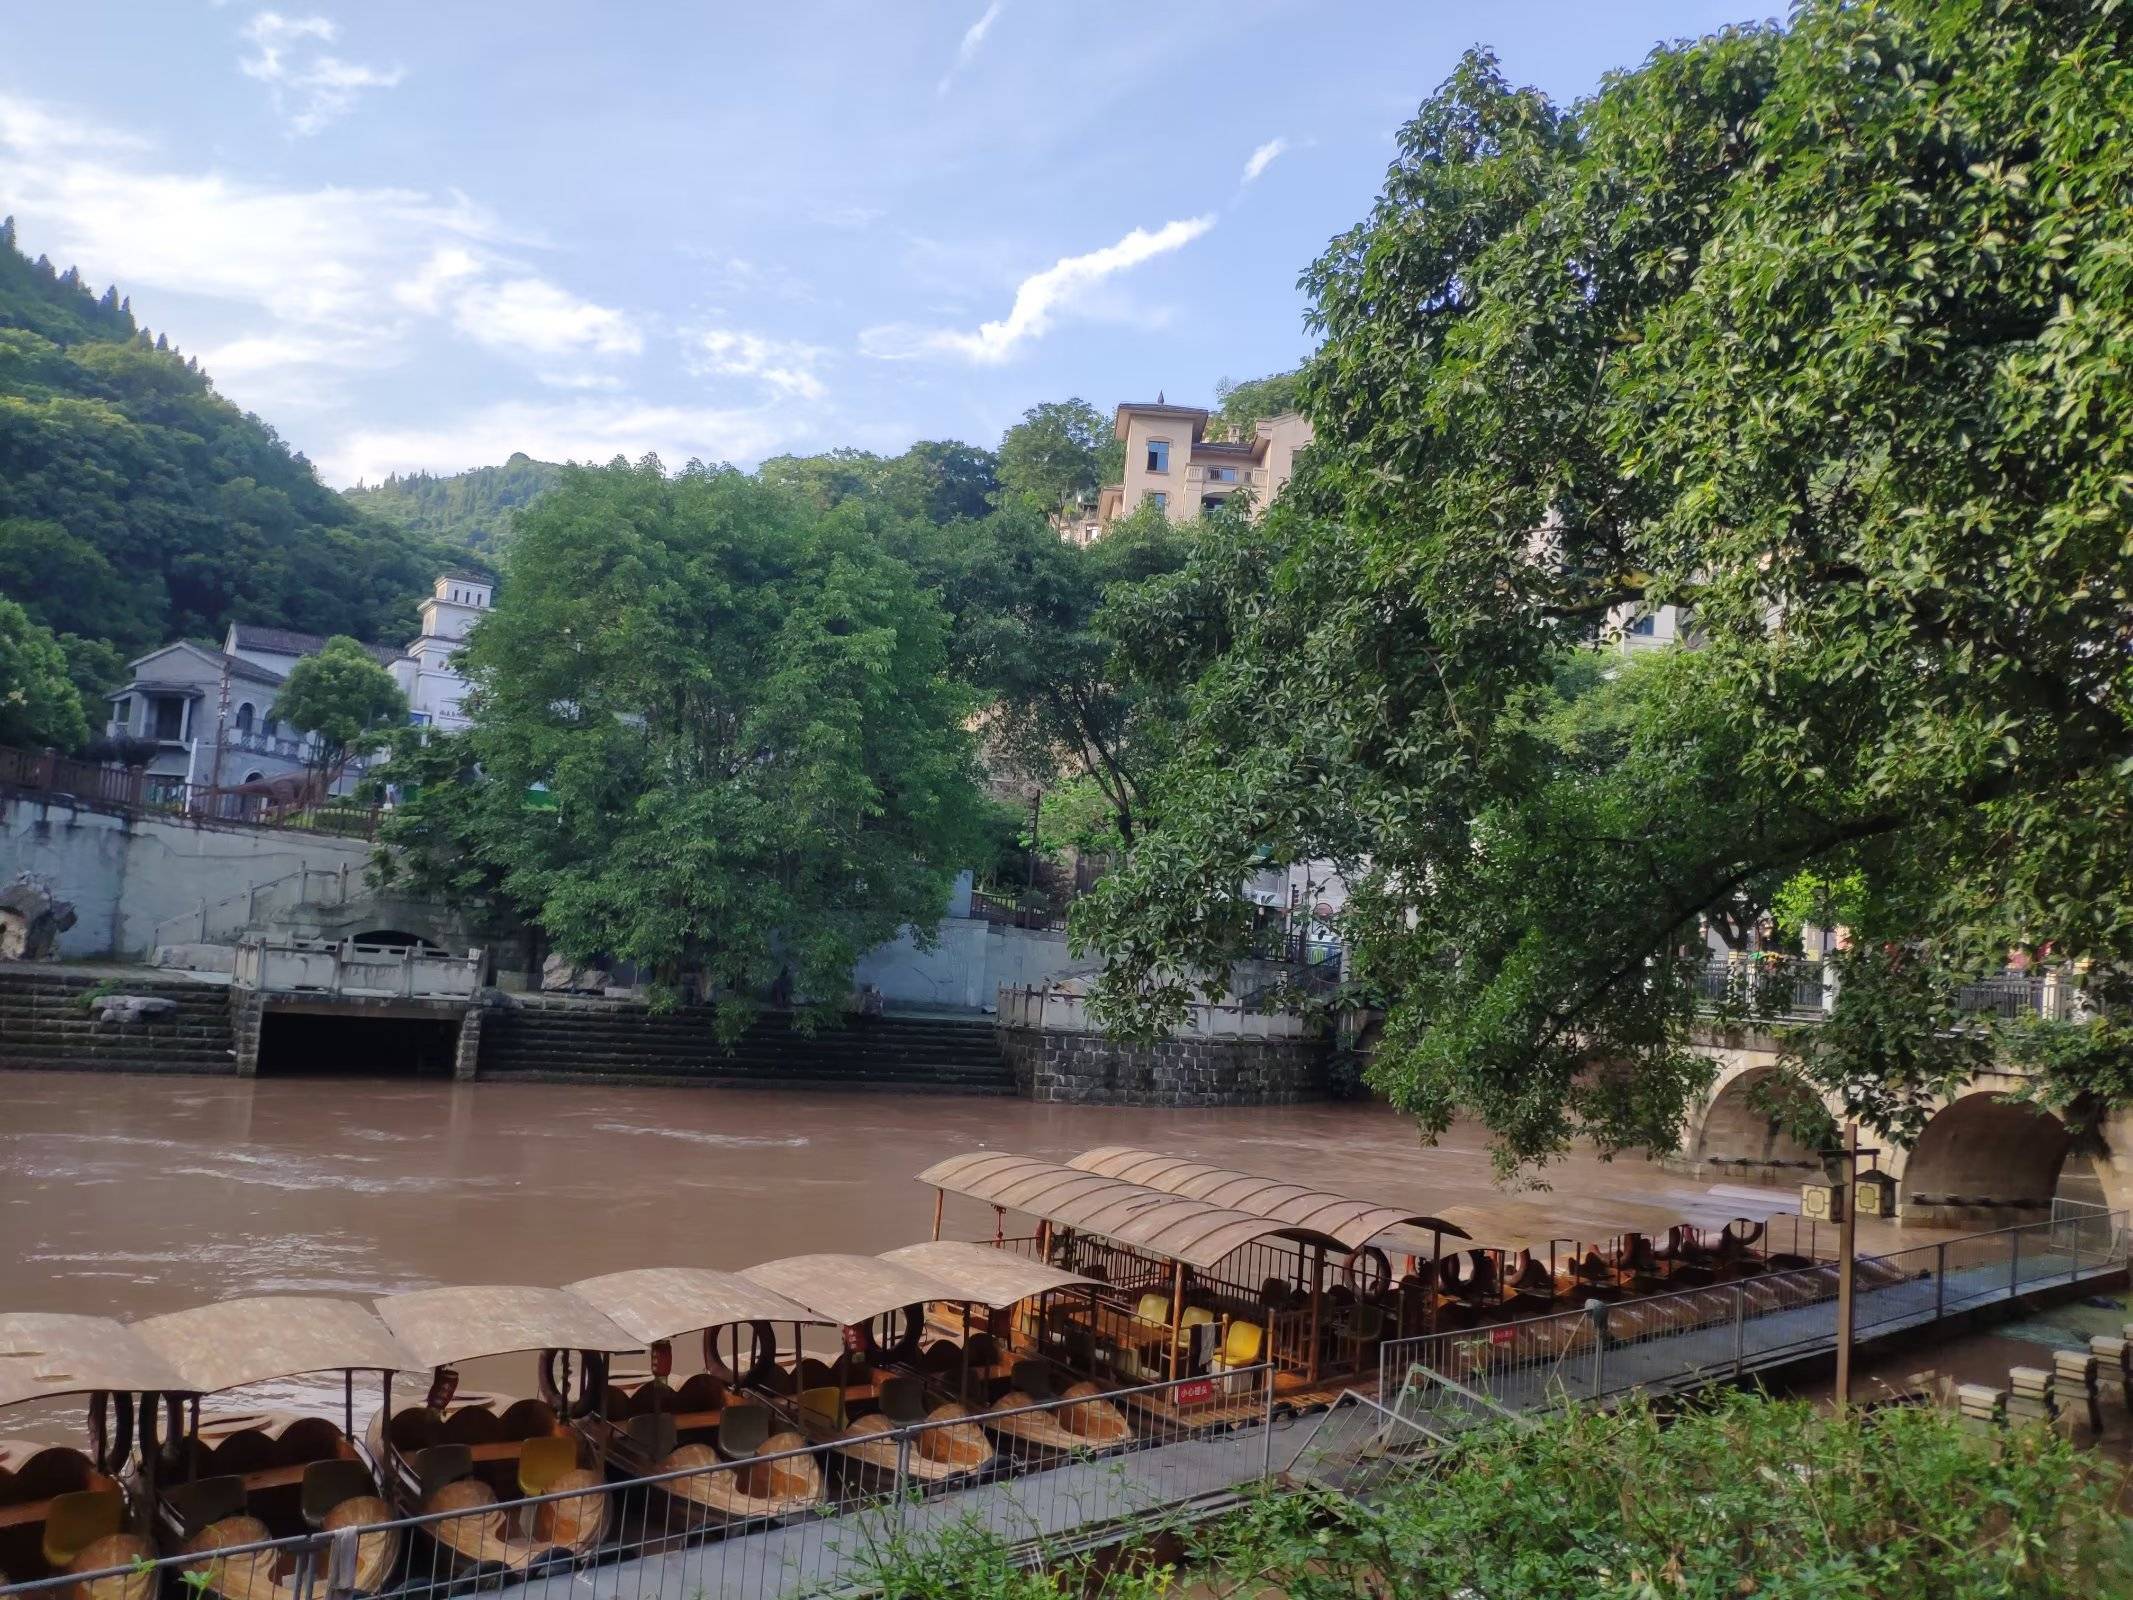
[[1158, 455], [418, 719], [1160, 500], [1646, 624], [244, 717], [1212, 502], [122, 712], [270, 728], [169, 726], [1221, 474]]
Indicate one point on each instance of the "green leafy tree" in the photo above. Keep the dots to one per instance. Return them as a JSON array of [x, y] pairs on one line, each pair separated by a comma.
[[1818, 331], [474, 508], [749, 754], [1239, 407], [344, 697], [39, 706], [1058, 455]]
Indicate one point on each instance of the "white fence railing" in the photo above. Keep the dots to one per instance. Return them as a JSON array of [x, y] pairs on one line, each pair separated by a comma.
[[1060, 1011], [344, 967]]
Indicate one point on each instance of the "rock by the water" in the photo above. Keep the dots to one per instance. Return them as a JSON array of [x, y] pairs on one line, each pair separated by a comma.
[[134, 1008], [31, 920]]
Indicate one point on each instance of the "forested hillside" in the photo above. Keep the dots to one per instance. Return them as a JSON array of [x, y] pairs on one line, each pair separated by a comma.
[[472, 508], [137, 505]]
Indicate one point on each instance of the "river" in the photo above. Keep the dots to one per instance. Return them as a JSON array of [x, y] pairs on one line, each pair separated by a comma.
[[127, 1196]]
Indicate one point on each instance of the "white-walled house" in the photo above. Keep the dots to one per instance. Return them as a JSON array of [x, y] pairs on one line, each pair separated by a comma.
[[209, 714]]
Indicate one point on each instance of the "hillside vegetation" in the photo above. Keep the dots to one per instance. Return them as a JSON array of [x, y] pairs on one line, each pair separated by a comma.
[[474, 508], [137, 505]]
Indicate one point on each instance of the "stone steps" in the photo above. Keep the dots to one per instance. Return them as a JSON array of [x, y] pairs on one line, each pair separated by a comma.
[[547, 1040], [44, 1025]]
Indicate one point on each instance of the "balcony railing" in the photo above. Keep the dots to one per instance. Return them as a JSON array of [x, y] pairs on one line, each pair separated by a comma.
[[1800, 989]]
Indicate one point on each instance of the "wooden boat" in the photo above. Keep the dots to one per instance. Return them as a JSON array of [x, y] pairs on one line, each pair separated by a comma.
[[242, 1477], [468, 1456], [64, 1509], [1090, 1423], [653, 1428], [864, 1295]]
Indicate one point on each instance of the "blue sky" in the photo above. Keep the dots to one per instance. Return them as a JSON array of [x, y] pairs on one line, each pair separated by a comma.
[[425, 235]]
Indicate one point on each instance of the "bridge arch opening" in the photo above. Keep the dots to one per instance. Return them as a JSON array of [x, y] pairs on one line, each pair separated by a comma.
[[394, 939], [1981, 1151], [1750, 1123]]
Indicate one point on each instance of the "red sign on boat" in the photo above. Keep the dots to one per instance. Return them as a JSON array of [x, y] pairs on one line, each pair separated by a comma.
[[1196, 1393]]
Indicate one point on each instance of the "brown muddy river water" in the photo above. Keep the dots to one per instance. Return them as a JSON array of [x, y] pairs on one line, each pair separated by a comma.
[[127, 1196]]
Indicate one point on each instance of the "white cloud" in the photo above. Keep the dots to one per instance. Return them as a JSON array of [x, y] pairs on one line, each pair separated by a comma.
[[973, 37], [1037, 299], [569, 430], [309, 86], [534, 316], [786, 365], [1262, 158], [448, 265]]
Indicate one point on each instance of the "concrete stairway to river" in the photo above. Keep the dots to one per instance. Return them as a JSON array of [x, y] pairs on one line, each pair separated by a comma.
[[577, 1041], [45, 1024]]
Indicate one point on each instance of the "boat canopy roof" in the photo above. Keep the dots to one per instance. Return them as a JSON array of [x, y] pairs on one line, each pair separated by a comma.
[[1354, 1222], [231, 1342], [983, 1273], [43, 1354], [850, 1289], [1175, 1227], [664, 1302], [446, 1325]]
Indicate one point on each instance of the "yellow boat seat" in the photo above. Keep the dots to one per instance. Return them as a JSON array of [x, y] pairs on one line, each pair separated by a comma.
[[1242, 1343], [824, 1405], [541, 1461], [1153, 1308], [75, 1521]]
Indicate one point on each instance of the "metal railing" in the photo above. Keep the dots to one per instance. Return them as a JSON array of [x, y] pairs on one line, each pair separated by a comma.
[[1803, 989], [201, 919], [1692, 1336], [1055, 1011], [712, 1530]]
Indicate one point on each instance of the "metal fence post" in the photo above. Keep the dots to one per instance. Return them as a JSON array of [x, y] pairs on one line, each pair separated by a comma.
[[1740, 1331], [2014, 1262], [904, 1494], [1940, 1280], [1599, 1363], [1266, 1421], [2075, 1230]]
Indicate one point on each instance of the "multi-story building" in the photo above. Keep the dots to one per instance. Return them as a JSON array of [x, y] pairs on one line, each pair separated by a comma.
[[209, 714], [1171, 461]]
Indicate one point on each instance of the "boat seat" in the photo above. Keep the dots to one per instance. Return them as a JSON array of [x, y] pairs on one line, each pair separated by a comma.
[[1155, 1309], [617, 1404], [812, 1374], [742, 1430], [983, 1351], [702, 1392], [306, 1440], [903, 1401], [654, 1433], [327, 1484], [542, 1461], [472, 1425], [942, 1357], [441, 1464], [825, 1405], [205, 1501], [1242, 1343], [530, 1418], [55, 1470], [247, 1450], [1032, 1378], [416, 1428], [75, 1521]]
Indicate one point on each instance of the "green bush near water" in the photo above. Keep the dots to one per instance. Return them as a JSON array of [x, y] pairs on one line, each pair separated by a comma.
[[1749, 1497]]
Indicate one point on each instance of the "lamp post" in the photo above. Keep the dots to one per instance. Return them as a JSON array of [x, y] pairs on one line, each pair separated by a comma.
[[1847, 1251]]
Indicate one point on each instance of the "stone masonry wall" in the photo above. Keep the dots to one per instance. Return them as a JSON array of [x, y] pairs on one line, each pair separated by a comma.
[[1089, 1069]]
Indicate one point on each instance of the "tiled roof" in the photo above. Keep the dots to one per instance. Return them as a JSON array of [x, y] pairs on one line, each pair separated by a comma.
[[288, 642]]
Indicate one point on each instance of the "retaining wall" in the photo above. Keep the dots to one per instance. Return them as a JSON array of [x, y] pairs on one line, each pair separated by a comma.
[[1089, 1069], [125, 873]]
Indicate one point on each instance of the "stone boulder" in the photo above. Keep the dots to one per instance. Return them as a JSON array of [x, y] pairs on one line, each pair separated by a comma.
[[31, 920], [128, 1008]]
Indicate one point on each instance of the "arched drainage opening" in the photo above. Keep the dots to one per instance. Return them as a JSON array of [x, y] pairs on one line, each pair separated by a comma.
[[297, 1044], [1984, 1160]]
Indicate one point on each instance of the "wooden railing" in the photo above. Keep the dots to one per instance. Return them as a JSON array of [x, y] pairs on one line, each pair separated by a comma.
[[47, 771]]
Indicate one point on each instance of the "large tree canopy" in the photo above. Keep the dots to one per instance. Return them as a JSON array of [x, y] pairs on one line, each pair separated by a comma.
[[714, 736], [1820, 331]]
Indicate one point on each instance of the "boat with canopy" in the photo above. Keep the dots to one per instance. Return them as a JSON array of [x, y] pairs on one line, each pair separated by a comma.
[[707, 1428], [464, 1453], [880, 1306], [65, 1508], [239, 1477]]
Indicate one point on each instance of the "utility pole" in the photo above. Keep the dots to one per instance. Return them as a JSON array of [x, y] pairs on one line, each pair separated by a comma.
[[222, 721], [1847, 1242]]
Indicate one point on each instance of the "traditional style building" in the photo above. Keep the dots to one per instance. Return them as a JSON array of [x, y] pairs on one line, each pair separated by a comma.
[[208, 715]]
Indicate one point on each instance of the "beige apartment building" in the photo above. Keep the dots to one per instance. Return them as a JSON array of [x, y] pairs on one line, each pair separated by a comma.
[[1170, 460]]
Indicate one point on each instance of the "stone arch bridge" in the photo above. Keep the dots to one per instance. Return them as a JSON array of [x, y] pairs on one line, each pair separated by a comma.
[[1982, 1160]]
